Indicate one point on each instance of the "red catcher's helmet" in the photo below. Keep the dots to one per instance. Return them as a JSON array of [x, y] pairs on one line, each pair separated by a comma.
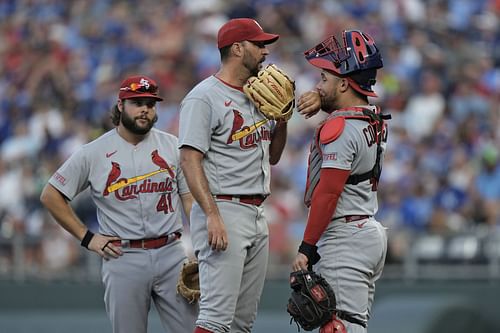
[[358, 59]]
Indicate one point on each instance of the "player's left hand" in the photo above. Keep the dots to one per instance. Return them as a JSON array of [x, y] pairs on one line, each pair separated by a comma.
[[300, 262], [309, 103], [101, 245]]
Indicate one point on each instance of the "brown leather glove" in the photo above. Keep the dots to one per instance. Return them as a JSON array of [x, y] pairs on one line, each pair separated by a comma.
[[188, 284], [272, 92]]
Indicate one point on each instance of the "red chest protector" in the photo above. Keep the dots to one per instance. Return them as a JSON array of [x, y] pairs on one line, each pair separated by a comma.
[[329, 130]]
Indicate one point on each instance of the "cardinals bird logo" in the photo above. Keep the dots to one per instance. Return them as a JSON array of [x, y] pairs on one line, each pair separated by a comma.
[[237, 124], [238, 131], [159, 161], [112, 176]]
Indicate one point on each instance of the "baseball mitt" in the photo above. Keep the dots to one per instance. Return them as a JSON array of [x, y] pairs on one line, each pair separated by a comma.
[[272, 92], [188, 284], [312, 302]]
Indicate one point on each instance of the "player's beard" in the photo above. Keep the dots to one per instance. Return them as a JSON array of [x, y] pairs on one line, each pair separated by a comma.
[[132, 125], [251, 64], [328, 102]]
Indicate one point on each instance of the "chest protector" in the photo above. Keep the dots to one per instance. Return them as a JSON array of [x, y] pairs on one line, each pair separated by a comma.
[[332, 128]]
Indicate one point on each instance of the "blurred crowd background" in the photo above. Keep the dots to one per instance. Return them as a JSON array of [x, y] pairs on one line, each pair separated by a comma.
[[61, 63]]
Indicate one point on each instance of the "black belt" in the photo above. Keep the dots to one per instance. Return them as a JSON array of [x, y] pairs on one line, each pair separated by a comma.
[[348, 317]]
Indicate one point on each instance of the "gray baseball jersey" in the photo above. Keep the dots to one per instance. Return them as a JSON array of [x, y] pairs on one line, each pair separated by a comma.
[[219, 121], [136, 190], [353, 151]]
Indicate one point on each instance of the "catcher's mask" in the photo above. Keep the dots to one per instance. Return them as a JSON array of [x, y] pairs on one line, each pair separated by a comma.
[[357, 59]]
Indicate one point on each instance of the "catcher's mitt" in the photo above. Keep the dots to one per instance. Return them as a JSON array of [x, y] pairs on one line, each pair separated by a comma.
[[312, 302], [272, 92], [188, 284]]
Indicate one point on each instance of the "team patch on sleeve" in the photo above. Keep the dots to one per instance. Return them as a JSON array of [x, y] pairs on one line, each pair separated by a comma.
[[330, 157], [331, 130], [60, 178]]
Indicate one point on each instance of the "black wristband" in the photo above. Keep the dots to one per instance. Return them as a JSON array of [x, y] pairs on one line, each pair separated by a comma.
[[86, 239], [311, 252]]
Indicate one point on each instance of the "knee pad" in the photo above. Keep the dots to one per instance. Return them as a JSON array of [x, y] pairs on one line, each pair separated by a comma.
[[333, 326]]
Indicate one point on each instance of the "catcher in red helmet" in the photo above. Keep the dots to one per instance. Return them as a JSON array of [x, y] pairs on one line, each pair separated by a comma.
[[342, 239], [356, 59]]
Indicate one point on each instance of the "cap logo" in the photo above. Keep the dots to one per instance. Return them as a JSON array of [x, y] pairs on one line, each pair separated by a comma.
[[145, 83], [257, 24], [139, 86]]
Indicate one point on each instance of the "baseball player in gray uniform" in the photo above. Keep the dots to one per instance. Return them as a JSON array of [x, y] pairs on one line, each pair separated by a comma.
[[342, 235], [139, 189], [227, 147]]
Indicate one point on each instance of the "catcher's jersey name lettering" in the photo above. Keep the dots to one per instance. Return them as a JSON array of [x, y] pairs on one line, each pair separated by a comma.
[[370, 133]]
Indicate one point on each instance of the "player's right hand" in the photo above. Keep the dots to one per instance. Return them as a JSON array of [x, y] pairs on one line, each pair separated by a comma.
[[217, 236], [309, 103], [300, 262], [102, 246]]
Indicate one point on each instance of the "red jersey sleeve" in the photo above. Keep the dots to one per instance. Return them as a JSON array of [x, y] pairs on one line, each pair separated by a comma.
[[324, 202]]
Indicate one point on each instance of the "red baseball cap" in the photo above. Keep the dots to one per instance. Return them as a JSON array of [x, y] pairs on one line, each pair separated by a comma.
[[139, 86], [240, 29]]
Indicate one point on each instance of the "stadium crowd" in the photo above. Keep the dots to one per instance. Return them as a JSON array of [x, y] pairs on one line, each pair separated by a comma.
[[61, 63]]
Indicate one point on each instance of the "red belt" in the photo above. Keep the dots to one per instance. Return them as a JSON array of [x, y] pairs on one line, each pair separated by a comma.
[[147, 243], [352, 218], [255, 200]]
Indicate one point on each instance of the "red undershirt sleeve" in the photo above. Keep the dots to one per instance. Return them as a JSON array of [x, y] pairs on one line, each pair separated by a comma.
[[324, 202]]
